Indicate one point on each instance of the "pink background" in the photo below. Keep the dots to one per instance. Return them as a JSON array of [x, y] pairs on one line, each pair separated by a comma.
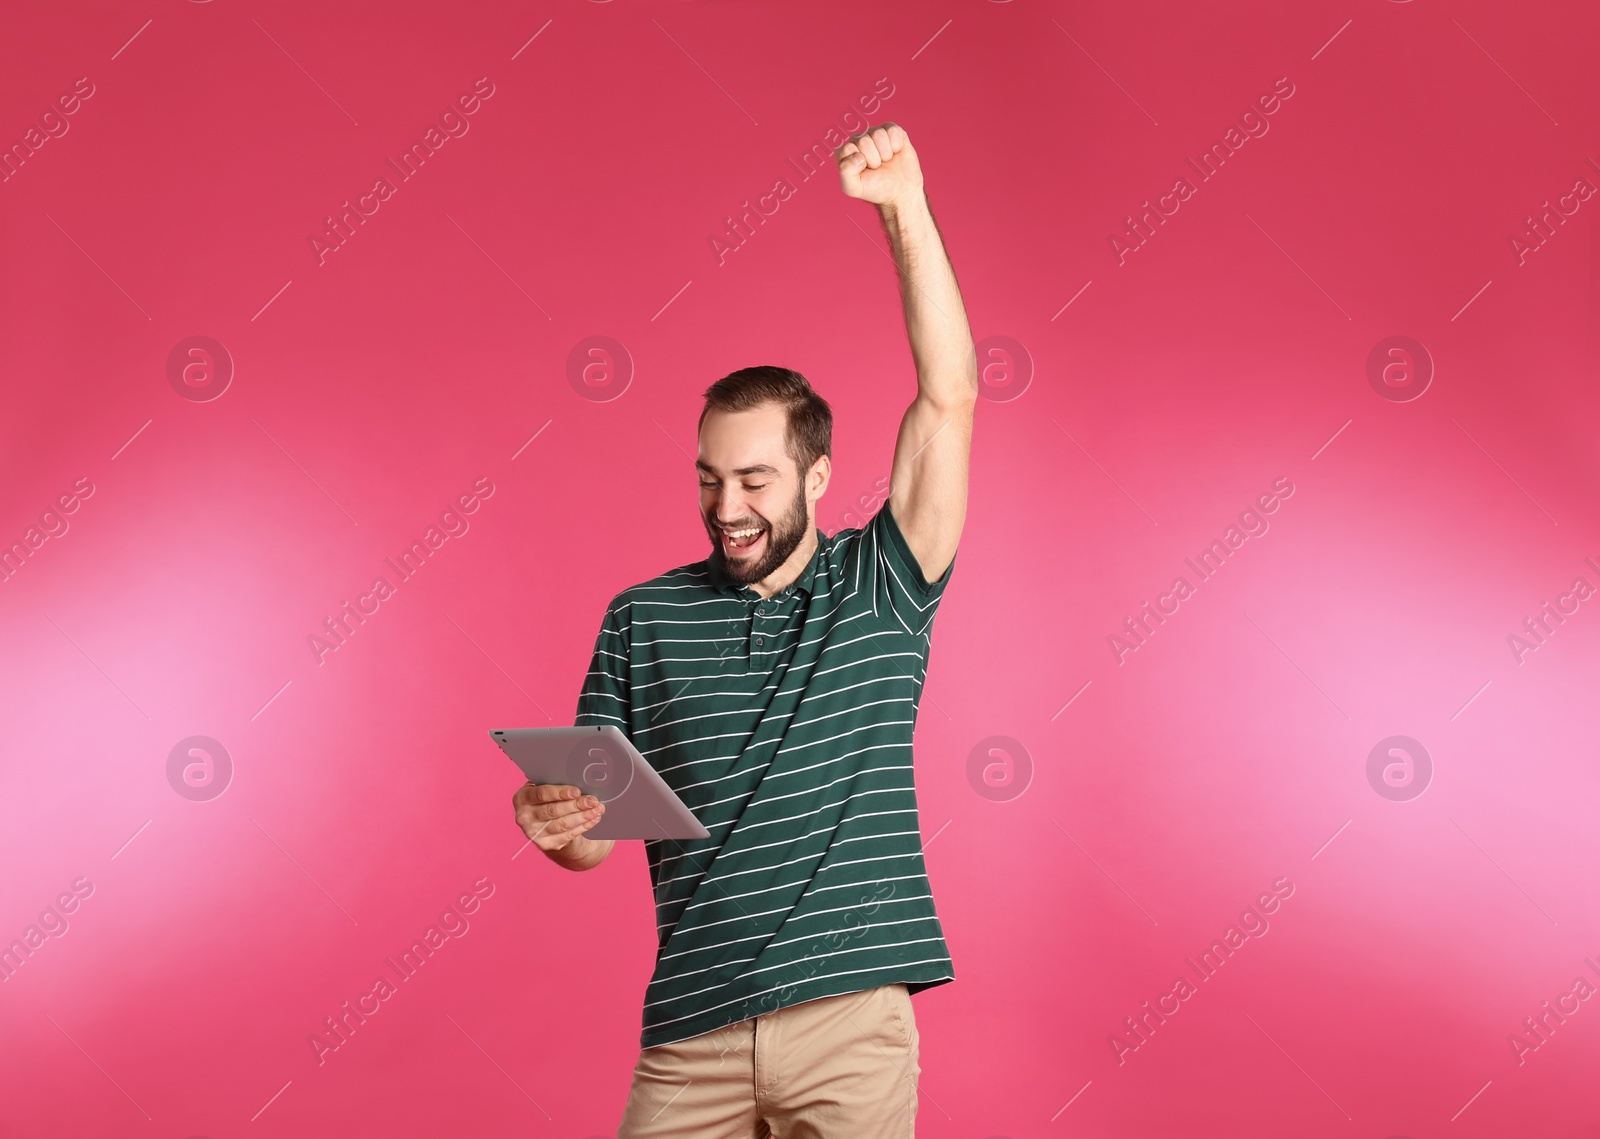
[[1166, 792]]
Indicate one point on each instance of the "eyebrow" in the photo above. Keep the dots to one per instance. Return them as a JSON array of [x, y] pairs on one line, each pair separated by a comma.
[[758, 469]]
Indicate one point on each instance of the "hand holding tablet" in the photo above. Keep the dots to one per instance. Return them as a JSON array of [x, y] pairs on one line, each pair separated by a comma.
[[591, 782], [555, 815]]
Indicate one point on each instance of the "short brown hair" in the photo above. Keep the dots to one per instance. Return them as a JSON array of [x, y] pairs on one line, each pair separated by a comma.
[[809, 419]]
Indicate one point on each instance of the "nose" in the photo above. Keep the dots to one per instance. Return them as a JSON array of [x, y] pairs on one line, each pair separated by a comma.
[[728, 511]]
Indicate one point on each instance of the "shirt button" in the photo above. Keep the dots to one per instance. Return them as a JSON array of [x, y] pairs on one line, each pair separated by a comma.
[[760, 640]]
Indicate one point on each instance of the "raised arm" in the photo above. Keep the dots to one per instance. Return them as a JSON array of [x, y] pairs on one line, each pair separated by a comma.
[[928, 483]]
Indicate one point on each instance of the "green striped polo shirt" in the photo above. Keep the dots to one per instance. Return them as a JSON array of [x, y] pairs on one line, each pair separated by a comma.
[[785, 725]]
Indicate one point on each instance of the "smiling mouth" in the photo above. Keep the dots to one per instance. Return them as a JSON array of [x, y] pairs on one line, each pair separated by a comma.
[[741, 541]]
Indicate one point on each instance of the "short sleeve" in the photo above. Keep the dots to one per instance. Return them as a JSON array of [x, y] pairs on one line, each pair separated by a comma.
[[606, 697], [892, 577]]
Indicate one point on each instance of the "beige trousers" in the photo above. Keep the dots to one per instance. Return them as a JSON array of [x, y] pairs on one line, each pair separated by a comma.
[[840, 1067]]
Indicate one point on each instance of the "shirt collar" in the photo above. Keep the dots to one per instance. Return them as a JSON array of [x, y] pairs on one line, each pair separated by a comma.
[[804, 583]]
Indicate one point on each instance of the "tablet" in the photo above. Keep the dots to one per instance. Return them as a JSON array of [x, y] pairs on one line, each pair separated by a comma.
[[604, 763]]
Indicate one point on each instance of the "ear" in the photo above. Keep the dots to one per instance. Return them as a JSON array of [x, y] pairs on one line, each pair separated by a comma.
[[817, 480]]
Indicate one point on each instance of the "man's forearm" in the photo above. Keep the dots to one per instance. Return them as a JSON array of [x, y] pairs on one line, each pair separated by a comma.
[[936, 320], [582, 853]]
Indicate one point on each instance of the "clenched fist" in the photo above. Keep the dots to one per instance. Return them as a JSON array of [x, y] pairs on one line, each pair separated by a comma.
[[879, 166]]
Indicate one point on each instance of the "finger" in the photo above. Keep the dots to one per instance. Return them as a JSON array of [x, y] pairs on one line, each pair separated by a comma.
[[869, 150], [577, 823], [555, 833], [847, 150], [528, 821], [567, 807], [542, 793], [529, 815], [563, 808]]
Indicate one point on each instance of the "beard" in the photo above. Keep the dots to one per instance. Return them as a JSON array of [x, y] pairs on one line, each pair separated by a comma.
[[782, 538]]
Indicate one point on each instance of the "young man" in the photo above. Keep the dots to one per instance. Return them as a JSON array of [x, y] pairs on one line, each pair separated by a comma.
[[775, 687]]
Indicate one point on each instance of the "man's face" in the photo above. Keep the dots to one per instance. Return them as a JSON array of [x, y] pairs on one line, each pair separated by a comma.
[[748, 482]]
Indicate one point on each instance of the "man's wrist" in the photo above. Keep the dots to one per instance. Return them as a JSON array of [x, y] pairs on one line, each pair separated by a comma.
[[907, 204], [580, 854]]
